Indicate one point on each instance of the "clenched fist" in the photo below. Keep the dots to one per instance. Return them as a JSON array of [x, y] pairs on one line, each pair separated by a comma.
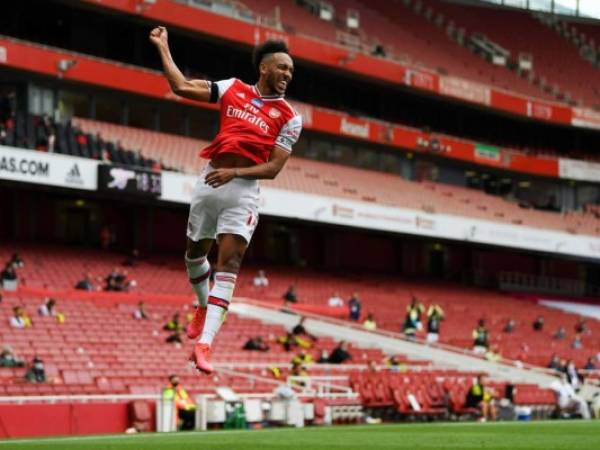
[[159, 36]]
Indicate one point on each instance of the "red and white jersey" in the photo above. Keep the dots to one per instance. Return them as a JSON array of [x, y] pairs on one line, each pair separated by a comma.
[[251, 125]]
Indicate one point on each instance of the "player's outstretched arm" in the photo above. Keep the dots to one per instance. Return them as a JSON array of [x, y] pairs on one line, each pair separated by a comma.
[[191, 89], [265, 171]]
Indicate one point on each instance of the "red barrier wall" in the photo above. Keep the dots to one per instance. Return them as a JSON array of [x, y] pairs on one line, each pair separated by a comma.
[[43, 419]]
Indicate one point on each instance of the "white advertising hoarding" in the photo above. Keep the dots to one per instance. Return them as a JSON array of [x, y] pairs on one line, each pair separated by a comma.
[[339, 211], [51, 169]]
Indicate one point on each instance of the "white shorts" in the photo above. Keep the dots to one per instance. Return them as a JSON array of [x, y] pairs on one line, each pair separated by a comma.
[[228, 209]]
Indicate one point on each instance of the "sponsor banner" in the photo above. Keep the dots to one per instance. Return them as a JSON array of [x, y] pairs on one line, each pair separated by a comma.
[[316, 208], [421, 79], [305, 110], [51, 169], [177, 187], [127, 180], [578, 170], [3, 54], [587, 118], [487, 152], [465, 90], [356, 128]]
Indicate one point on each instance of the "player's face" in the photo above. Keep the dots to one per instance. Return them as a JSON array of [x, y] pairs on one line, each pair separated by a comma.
[[278, 72]]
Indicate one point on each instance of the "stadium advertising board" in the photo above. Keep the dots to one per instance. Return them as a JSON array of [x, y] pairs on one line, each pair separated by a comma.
[[126, 180], [316, 208], [579, 170], [30, 166]]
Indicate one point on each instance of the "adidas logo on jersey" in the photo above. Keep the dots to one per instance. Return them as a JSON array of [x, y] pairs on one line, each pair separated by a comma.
[[74, 176]]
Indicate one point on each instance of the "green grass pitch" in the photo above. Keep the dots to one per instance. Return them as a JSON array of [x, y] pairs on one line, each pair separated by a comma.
[[462, 436]]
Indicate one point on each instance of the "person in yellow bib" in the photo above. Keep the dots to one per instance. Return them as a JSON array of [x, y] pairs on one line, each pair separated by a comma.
[[185, 407], [482, 398]]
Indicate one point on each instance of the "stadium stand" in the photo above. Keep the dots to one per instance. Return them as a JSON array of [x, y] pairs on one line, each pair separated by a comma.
[[61, 268], [338, 181], [569, 75]]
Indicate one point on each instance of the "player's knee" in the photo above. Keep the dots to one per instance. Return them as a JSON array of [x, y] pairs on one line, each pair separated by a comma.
[[233, 262]]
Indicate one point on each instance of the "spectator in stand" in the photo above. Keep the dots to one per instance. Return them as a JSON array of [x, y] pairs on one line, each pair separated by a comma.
[[538, 324], [256, 343], [16, 261], [560, 334], [340, 354], [185, 407], [47, 308], [555, 363], [173, 324], [590, 364], [369, 323], [567, 401], [288, 341], [480, 338], [435, 315], [20, 318], [261, 280], [85, 284], [8, 358], [140, 312], [581, 326], [302, 358], [111, 280], [415, 310], [175, 337], [480, 397], [355, 307], [335, 300], [299, 331], [577, 343], [510, 326], [393, 362], [9, 274], [290, 295], [36, 372], [572, 374]]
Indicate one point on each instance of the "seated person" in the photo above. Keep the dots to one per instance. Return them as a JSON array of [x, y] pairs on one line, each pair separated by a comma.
[[369, 323], [36, 372], [290, 295], [20, 318], [8, 358], [335, 300], [480, 397], [340, 354], [299, 330], [85, 284], [140, 312], [186, 409], [261, 280], [302, 358], [173, 324], [47, 308], [256, 343]]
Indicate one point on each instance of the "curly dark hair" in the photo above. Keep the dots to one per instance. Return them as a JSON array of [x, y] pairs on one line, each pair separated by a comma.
[[266, 48]]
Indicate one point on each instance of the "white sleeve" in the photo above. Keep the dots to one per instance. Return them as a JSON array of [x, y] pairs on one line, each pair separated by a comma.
[[223, 86], [289, 133]]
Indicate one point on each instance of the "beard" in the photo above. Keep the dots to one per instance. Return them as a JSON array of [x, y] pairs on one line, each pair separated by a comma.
[[271, 81]]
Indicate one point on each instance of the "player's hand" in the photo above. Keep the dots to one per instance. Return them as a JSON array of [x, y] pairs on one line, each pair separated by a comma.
[[159, 36], [219, 177]]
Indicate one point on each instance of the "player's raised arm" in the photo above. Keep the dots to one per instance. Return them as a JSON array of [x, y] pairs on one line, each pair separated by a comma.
[[199, 90]]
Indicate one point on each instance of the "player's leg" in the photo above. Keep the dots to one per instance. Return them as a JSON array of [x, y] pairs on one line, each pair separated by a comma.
[[201, 232], [232, 248], [198, 270]]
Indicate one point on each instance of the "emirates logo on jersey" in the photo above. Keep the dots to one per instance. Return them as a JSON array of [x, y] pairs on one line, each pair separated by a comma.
[[274, 113], [248, 117]]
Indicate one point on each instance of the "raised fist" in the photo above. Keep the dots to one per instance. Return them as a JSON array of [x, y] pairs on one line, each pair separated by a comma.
[[158, 36]]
